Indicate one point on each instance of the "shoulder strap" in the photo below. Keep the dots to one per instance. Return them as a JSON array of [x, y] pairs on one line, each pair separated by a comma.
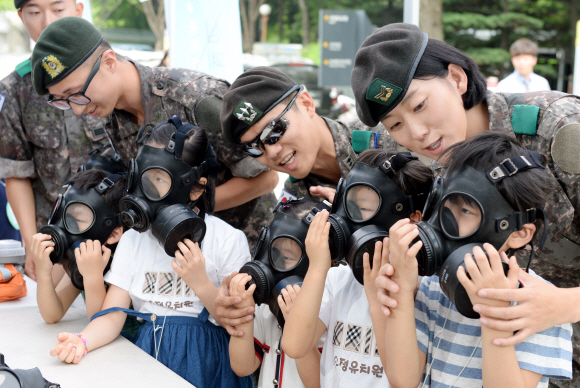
[[525, 119], [23, 68]]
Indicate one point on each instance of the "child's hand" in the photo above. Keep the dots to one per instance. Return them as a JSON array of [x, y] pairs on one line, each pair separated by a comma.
[[70, 348], [238, 288], [316, 242], [40, 250], [287, 299], [191, 265], [486, 273], [403, 258], [380, 258], [92, 258]]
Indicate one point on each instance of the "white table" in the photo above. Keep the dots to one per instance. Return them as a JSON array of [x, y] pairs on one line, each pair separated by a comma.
[[29, 300], [26, 340]]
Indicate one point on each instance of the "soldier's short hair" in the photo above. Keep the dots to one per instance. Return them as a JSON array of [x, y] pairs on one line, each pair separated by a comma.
[[523, 46]]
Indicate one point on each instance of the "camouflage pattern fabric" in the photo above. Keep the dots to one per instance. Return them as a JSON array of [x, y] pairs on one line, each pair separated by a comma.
[[42, 143], [345, 155], [559, 261], [169, 91]]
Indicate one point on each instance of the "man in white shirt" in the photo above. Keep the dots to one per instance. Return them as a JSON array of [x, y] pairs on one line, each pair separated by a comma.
[[524, 54]]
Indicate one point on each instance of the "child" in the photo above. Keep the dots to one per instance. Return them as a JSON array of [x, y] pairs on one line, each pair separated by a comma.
[[332, 301], [260, 344], [454, 350], [92, 256], [173, 294]]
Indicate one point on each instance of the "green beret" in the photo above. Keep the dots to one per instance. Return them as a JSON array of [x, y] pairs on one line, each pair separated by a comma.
[[62, 47], [20, 3], [383, 69], [252, 95]]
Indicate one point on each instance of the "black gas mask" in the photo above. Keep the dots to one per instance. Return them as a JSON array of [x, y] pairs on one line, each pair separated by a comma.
[[280, 257], [76, 218], [365, 206], [464, 211], [159, 184], [104, 158]]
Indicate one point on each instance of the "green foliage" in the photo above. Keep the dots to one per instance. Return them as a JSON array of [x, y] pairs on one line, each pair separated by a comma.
[[312, 51], [7, 5], [125, 15]]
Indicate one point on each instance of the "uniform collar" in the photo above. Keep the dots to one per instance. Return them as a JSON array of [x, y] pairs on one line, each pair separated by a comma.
[[345, 154]]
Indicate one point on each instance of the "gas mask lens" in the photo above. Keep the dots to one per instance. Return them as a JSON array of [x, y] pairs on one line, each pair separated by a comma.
[[460, 215], [362, 202], [155, 183], [78, 218], [285, 253]]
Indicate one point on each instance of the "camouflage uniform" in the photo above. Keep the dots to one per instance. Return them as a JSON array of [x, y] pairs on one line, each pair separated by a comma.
[[167, 92], [342, 132], [40, 142], [559, 261]]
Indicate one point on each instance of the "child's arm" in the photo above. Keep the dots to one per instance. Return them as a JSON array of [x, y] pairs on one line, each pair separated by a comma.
[[191, 268], [243, 359], [308, 366], [52, 303], [380, 258], [92, 260], [303, 327], [99, 332], [500, 366], [405, 362]]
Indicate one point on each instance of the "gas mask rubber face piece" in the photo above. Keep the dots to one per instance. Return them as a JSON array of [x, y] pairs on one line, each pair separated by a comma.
[[159, 185], [76, 218], [366, 204], [465, 210], [98, 160], [280, 256]]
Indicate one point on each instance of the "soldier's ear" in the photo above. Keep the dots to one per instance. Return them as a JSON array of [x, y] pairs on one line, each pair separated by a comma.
[[109, 61]]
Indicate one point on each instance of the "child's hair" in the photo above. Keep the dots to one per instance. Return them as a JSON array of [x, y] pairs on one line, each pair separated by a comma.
[[299, 209], [524, 190], [194, 150], [523, 46], [435, 62], [86, 180], [414, 178]]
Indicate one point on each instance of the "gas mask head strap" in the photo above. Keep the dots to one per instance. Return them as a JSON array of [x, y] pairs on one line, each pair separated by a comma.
[[101, 188], [509, 167], [517, 220], [392, 166], [324, 205], [177, 141]]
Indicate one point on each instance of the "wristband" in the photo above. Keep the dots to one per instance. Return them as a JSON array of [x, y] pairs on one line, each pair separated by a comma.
[[84, 341]]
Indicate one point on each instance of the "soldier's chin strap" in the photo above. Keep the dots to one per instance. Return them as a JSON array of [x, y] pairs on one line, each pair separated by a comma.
[[542, 216]]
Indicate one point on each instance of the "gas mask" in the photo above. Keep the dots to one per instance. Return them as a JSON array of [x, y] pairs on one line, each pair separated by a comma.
[[159, 184], [280, 257], [464, 211], [365, 206], [76, 218], [104, 158]]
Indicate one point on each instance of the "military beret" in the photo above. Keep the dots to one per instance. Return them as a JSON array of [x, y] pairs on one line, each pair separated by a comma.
[[62, 47], [252, 95], [20, 3], [383, 69]]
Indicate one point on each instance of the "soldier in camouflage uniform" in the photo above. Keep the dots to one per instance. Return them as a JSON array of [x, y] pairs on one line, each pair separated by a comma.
[[40, 146], [429, 96], [161, 93]]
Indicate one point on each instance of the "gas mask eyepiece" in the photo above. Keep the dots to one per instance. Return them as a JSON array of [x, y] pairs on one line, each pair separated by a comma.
[[159, 185]]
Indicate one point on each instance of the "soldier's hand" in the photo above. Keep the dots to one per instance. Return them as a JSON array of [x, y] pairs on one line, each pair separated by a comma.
[[324, 192], [226, 312]]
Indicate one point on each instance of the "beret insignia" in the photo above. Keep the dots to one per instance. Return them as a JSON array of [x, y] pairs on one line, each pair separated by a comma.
[[382, 92], [246, 112], [52, 65]]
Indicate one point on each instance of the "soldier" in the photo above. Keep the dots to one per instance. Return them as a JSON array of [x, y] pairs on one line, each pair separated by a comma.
[[429, 96], [41, 146], [73, 63], [274, 119]]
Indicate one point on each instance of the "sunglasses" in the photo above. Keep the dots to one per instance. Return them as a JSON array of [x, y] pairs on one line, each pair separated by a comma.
[[76, 98], [274, 131]]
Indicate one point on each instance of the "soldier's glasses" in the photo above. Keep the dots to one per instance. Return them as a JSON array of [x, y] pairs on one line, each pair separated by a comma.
[[76, 98], [274, 131]]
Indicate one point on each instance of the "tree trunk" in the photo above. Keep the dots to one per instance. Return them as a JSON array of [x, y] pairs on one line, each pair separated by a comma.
[[281, 20], [249, 14], [155, 15], [431, 18], [305, 22]]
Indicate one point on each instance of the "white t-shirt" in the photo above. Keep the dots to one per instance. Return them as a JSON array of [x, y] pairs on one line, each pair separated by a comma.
[[350, 357], [267, 337], [142, 268]]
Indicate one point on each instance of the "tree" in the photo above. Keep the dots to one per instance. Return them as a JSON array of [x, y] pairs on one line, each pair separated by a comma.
[[154, 11], [305, 22], [249, 14], [103, 10], [431, 18]]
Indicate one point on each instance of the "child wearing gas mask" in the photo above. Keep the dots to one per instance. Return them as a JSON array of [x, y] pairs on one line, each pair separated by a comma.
[[280, 261], [84, 219], [490, 194], [170, 193], [340, 302]]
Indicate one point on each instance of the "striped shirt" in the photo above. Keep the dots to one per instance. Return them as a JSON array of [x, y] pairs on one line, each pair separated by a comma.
[[454, 356]]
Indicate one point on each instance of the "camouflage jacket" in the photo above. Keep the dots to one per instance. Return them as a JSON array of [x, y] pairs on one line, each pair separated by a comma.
[[40, 142], [346, 154], [169, 91]]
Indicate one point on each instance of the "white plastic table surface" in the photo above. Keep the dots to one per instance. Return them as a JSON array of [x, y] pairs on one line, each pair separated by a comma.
[[26, 340]]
